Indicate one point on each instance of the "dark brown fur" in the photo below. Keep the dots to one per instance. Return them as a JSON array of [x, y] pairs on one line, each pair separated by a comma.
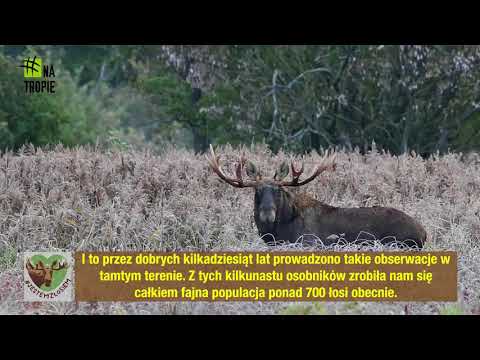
[[304, 219]]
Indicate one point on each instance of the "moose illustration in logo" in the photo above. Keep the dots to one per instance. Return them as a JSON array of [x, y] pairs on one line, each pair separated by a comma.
[[42, 274]]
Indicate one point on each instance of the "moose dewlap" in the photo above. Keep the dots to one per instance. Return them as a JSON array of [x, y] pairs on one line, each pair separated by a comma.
[[282, 216]]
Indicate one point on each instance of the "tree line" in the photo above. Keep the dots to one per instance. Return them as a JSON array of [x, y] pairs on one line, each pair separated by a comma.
[[423, 98]]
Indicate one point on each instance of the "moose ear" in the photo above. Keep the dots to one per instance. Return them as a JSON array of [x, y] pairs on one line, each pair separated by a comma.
[[40, 265], [282, 171], [251, 170]]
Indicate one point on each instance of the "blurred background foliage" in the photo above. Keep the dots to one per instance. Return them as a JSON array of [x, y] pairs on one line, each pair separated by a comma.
[[294, 97]]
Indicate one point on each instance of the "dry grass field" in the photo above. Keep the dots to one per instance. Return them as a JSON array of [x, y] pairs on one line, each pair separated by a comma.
[[84, 199]]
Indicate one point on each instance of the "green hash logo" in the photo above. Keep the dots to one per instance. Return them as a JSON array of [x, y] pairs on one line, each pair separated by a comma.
[[32, 68]]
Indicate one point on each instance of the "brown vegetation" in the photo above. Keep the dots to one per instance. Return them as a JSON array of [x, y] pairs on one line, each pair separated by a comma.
[[88, 200]]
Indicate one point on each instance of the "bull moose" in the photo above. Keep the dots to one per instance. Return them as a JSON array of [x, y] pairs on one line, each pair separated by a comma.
[[41, 274], [282, 216]]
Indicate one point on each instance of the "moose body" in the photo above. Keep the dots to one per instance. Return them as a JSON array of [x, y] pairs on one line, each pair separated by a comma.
[[282, 216], [300, 218]]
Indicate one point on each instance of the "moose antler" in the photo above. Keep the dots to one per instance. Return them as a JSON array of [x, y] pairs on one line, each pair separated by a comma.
[[59, 266], [213, 160], [29, 264], [327, 162]]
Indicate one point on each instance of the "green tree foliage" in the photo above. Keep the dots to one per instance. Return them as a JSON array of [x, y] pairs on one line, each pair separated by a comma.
[[295, 97], [422, 98], [72, 115]]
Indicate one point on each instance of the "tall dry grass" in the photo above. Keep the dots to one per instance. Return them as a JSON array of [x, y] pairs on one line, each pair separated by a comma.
[[84, 199]]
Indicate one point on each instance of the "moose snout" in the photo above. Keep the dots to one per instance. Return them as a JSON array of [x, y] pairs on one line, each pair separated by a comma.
[[267, 214], [48, 278]]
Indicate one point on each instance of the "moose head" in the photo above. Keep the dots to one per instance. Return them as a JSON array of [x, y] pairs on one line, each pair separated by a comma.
[[272, 202], [41, 274]]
